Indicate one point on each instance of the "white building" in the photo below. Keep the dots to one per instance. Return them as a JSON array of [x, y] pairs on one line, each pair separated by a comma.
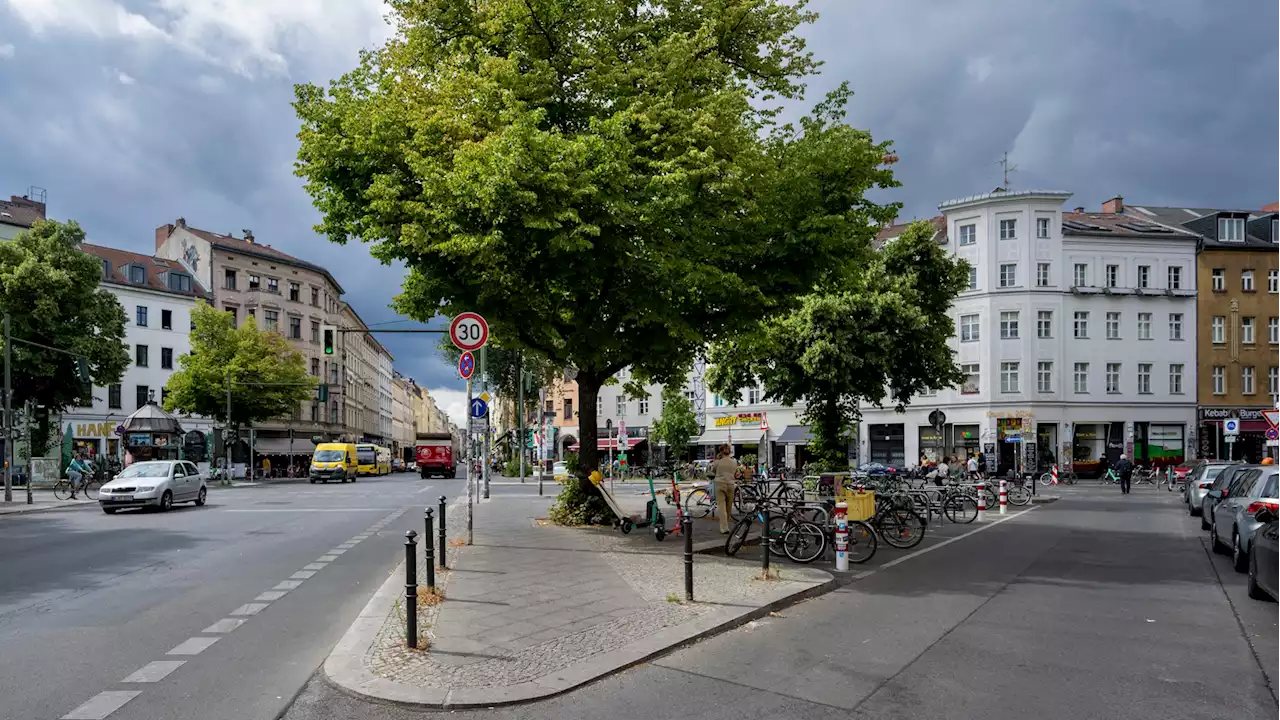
[[158, 296], [1077, 337], [386, 404]]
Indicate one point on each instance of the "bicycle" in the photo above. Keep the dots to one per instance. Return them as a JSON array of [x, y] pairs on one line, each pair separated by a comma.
[[1109, 478], [1067, 477], [88, 485], [896, 522], [1145, 475], [800, 540]]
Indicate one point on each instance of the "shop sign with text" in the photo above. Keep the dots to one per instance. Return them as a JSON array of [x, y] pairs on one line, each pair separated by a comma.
[[93, 430], [739, 419]]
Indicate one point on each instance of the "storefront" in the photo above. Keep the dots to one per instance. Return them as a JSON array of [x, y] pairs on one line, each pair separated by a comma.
[[93, 439], [1159, 444], [150, 433], [888, 444], [1046, 447], [1250, 443], [1095, 446]]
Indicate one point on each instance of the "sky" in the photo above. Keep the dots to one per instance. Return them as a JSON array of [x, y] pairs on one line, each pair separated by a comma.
[[131, 113]]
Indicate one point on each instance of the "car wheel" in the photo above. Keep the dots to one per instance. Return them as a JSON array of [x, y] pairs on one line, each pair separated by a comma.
[[313, 481], [1239, 558], [1255, 590], [166, 501], [110, 511], [200, 497], [1204, 519], [1191, 510]]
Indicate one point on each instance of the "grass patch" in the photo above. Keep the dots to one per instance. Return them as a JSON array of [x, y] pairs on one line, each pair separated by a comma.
[[675, 599]]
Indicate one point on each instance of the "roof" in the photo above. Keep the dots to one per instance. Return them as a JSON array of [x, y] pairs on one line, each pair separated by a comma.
[[1002, 194], [21, 211], [155, 268], [1202, 222], [1088, 224], [886, 234], [246, 246]]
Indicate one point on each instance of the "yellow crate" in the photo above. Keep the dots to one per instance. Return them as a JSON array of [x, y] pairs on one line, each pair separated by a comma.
[[862, 503]]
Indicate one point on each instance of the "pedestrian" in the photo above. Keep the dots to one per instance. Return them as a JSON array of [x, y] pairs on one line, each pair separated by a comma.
[[982, 464], [724, 470], [942, 471], [1124, 471], [973, 467]]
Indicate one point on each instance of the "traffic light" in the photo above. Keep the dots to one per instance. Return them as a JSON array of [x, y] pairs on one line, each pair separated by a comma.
[[82, 372], [330, 335], [322, 393]]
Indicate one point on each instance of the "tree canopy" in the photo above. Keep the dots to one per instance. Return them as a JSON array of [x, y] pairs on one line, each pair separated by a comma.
[[678, 423], [50, 289], [269, 379], [879, 335]]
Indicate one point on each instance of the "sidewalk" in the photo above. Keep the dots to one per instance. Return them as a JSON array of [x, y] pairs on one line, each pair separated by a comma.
[[532, 610], [44, 501]]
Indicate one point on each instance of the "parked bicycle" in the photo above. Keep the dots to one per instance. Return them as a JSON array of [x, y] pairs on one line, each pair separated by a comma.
[[1065, 477], [786, 534]]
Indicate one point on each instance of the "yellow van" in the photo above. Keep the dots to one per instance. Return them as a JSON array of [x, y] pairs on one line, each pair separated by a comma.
[[334, 461]]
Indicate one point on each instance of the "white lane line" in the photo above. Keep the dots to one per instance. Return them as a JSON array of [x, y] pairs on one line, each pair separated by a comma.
[[154, 671], [948, 541], [193, 646], [271, 595], [337, 551], [302, 575], [225, 625], [249, 609], [294, 510], [286, 585], [102, 705], [327, 558], [315, 566]]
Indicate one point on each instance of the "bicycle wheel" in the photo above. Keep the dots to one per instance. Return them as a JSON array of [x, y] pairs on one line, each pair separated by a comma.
[[960, 509], [1019, 494], [698, 503], [91, 489], [862, 542], [62, 489], [1046, 479], [779, 524], [737, 536], [901, 528], [804, 542], [1070, 478], [744, 499]]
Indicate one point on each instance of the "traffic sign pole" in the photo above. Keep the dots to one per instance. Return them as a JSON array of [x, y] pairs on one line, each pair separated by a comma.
[[484, 385], [470, 474]]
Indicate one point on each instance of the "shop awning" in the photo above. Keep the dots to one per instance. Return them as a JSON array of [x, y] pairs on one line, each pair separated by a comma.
[[280, 446], [606, 444], [722, 436], [795, 435]]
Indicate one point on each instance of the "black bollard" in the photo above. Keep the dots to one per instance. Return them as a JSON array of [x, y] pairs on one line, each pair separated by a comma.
[[443, 535], [411, 589], [766, 543], [428, 550], [686, 527]]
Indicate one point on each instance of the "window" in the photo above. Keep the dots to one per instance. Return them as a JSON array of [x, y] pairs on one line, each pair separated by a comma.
[[1144, 276], [968, 234], [1175, 326], [1219, 279], [315, 367], [1273, 382], [315, 296], [229, 279], [333, 413], [1273, 281], [1218, 329], [1042, 274], [1246, 330], [1008, 377], [1246, 380], [106, 269], [1175, 278], [137, 276], [1112, 377], [971, 383], [315, 331], [642, 405], [140, 355], [620, 406], [295, 328], [1246, 281], [1009, 325], [969, 328], [1008, 229], [717, 401], [1044, 376], [1144, 378], [599, 405], [1231, 229], [1175, 378], [232, 312], [1113, 276], [753, 396], [273, 285], [1081, 377], [568, 408], [973, 277], [1042, 227], [272, 318], [1273, 330], [113, 396], [315, 412], [166, 358], [142, 315], [1113, 326], [1219, 380], [1080, 275], [143, 394], [690, 395], [1044, 324], [255, 282], [1008, 275], [295, 292], [1144, 326], [1081, 327], [179, 282]]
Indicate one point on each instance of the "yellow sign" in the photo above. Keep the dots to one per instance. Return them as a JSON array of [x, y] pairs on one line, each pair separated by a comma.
[[484, 396], [95, 430], [739, 419]]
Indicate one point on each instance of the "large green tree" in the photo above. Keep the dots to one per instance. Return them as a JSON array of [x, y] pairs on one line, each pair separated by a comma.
[[678, 422], [50, 289], [269, 379], [604, 180], [878, 335]]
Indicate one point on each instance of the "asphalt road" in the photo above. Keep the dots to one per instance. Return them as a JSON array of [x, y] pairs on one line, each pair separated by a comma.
[[1098, 606], [88, 600]]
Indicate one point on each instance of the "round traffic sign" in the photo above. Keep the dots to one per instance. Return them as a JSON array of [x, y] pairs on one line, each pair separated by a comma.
[[466, 365], [479, 408], [469, 331], [1273, 434], [1230, 426]]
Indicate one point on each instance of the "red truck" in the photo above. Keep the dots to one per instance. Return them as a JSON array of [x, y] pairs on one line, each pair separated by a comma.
[[434, 453]]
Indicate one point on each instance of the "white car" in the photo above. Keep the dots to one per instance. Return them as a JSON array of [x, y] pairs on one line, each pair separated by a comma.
[[154, 483], [560, 471]]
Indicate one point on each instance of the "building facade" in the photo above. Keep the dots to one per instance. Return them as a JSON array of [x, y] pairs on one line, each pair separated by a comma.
[[403, 428], [1076, 337], [19, 213]]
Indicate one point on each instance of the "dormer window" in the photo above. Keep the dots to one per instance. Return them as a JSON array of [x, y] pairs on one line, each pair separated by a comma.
[[137, 274], [1275, 231], [179, 282], [1231, 229], [106, 269]]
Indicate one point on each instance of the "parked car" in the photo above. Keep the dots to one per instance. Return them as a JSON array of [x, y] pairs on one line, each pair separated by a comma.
[[1198, 483], [1252, 491], [1264, 558], [560, 471], [154, 483], [1221, 486]]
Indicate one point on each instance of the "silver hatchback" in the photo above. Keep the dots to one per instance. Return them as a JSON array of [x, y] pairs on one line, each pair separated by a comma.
[[1199, 482], [1254, 489]]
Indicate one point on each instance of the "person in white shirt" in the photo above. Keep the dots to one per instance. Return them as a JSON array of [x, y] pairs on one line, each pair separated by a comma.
[[973, 466]]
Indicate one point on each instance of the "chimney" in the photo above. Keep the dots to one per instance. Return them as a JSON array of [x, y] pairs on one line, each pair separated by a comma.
[[162, 233], [248, 234], [1079, 210], [181, 222], [1114, 206]]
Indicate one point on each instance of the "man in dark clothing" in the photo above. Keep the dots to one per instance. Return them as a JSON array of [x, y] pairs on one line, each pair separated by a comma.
[[1124, 470]]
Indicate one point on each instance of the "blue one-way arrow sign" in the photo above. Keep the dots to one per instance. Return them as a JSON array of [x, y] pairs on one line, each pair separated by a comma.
[[479, 408]]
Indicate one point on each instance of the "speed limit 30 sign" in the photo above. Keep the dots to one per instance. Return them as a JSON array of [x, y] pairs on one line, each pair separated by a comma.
[[469, 331]]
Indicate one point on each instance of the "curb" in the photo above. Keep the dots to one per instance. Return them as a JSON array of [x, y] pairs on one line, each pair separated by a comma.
[[345, 669], [48, 508]]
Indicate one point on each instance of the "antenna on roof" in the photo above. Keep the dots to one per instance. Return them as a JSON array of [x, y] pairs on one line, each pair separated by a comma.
[[1003, 162], [36, 193]]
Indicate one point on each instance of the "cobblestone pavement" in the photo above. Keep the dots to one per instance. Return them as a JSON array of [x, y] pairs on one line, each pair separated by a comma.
[[529, 599]]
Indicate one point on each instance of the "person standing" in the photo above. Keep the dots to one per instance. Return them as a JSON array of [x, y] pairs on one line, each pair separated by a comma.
[[1124, 471], [973, 467], [724, 469]]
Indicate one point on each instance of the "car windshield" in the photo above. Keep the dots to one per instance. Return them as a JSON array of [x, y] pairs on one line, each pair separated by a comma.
[[1211, 471], [327, 456], [144, 469]]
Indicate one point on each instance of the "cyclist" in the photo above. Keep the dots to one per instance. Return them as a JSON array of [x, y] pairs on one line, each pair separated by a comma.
[[1124, 470], [75, 473]]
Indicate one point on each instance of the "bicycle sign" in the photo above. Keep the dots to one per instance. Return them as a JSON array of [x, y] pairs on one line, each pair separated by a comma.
[[469, 331], [466, 365]]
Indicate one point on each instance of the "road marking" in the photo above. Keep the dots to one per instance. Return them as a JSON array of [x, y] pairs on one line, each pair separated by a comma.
[[286, 585], [302, 575], [337, 551], [315, 566], [225, 625], [193, 646], [948, 541], [102, 705], [303, 509], [271, 595], [327, 558], [154, 671], [249, 609]]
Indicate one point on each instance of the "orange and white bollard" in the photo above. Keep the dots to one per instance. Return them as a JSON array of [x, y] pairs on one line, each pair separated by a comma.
[[1055, 474], [982, 502], [842, 536], [1004, 496]]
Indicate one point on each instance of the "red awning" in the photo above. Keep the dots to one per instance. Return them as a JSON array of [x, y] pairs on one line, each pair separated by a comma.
[[605, 444], [1254, 426]]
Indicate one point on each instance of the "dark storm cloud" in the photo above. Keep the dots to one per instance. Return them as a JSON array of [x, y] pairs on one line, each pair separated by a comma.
[[131, 124]]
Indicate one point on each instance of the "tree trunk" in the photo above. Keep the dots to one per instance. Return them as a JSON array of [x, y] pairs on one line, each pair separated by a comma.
[[588, 453], [828, 441]]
